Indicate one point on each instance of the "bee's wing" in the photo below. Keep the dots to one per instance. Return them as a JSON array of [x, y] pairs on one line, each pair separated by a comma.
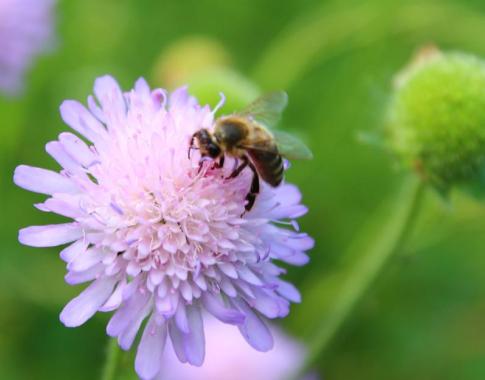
[[284, 144], [291, 147], [267, 108]]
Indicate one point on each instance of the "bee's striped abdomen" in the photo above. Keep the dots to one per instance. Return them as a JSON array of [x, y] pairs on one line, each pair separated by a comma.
[[269, 165]]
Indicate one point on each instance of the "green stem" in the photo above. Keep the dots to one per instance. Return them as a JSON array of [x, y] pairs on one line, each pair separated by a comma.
[[111, 362], [384, 235]]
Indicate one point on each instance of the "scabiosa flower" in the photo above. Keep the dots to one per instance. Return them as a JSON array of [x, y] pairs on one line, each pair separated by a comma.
[[26, 29], [228, 357], [158, 236]]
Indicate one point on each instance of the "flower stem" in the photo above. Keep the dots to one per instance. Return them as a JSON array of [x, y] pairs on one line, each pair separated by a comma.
[[111, 362], [384, 235]]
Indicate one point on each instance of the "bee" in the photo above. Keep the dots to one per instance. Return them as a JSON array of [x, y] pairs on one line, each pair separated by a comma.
[[248, 136]]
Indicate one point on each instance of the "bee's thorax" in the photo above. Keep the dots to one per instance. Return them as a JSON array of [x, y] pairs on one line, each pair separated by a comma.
[[230, 131]]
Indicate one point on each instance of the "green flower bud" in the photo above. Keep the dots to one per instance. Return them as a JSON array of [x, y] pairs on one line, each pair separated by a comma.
[[436, 119], [204, 65], [186, 57]]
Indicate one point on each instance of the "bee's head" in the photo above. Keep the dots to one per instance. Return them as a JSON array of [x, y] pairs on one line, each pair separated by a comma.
[[207, 145], [212, 150]]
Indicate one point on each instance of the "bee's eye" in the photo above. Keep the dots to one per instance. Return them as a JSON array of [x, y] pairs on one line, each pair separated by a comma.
[[213, 150]]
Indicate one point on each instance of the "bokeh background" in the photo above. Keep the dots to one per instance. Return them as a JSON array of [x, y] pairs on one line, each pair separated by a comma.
[[423, 317]]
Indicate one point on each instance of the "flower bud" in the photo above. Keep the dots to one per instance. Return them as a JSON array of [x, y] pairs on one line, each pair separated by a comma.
[[436, 120], [187, 57], [204, 65]]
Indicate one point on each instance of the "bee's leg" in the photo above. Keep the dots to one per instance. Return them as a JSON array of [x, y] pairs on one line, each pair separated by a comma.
[[235, 164], [201, 164], [250, 198], [254, 191], [240, 168], [255, 182], [220, 164]]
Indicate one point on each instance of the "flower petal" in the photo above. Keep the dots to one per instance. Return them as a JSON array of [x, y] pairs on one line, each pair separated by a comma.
[[90, 274], [179, 99], [42, 181], [62, 204], [266, 304], [58, 153], [214, 305], [114, 301], [176, 337], [194, 342], [128, 313], [50, 235], [247, 275], [87, 259], [69, 253], [83, 307], [288, 291], [297, 259], [126, 338], [77, 149], [109, 95], [181, 318], [150, 350], [81, 120], [254, 330]]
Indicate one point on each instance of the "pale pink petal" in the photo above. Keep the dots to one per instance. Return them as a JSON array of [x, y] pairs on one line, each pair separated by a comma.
[[177, 341], [266, 304], [74, 278], [43, 181], [86, 259], [126, 338], [83, 307], [194, 342], [150, 350], [254, 330], [213, 303], [58, 153], [109, 95], [77, 149], [61, 205], [69, 253], [128, 313], [181, 319], [115, 300], [81, 120], [50, 235]]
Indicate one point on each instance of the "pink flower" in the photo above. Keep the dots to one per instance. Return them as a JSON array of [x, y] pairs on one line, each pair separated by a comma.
[[228, 357], [157, 238], [26, 29]]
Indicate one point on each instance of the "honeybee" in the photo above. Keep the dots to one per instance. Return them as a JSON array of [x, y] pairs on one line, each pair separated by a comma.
[[248, 136]]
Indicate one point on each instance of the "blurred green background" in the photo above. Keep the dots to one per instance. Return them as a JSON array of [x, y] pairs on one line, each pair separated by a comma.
[[424, 316]]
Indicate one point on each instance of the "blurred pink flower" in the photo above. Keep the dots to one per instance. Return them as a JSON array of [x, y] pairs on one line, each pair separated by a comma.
[[229, 357], [26, 30], [156, 237]]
